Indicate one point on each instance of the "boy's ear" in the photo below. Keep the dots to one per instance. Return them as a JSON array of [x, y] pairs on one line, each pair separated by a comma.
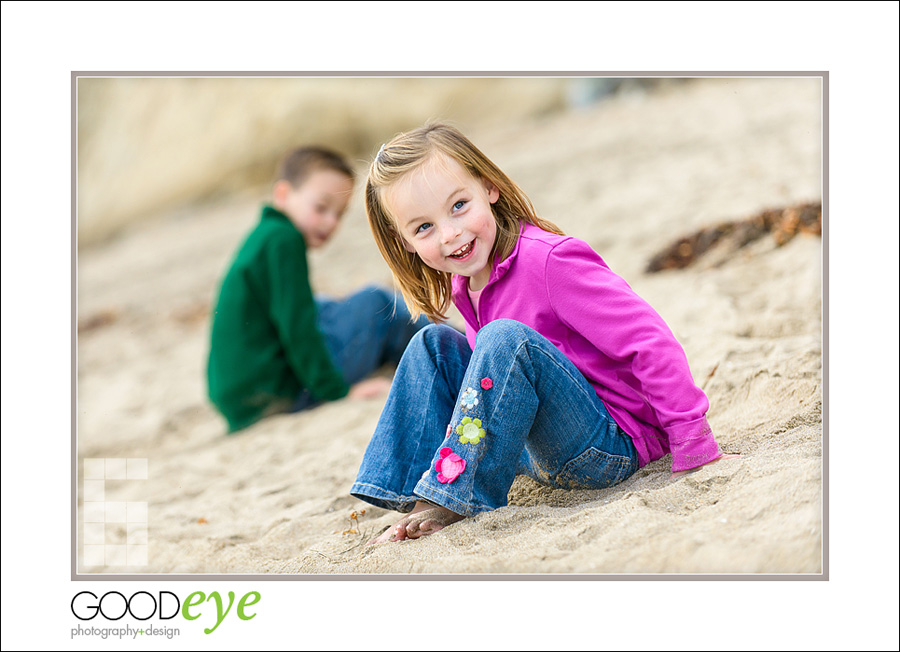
[[280, 192]]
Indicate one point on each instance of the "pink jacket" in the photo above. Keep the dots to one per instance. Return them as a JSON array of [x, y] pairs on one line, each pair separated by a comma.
[[561, 288]]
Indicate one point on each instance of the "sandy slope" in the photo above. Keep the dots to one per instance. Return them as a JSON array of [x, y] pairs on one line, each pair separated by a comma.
[[629, 176]]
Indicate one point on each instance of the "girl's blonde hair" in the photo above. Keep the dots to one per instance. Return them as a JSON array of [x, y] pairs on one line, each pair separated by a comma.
[[428, 290]]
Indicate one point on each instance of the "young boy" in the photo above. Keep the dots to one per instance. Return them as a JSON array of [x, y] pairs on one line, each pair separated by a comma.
[[274, 347]]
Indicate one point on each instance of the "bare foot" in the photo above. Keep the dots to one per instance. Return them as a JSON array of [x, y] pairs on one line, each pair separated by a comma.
[[424, 519], [388, 534], [428, 521]]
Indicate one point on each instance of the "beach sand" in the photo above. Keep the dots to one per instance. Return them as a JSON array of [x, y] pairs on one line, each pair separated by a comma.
[[629, 175]]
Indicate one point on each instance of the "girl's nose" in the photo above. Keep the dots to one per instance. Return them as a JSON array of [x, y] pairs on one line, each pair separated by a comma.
[[449, 232]]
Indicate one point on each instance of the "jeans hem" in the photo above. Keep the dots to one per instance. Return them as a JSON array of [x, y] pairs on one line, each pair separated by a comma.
[[450, 502], [383, 498]]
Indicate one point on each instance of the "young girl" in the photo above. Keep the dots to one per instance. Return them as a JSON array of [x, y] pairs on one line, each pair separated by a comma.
[[564, 373]]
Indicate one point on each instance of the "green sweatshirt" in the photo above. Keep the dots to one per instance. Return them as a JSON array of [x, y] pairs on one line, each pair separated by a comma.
[[265, 346]]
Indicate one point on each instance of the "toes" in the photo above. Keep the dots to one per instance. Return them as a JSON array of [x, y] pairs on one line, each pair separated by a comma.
[[400, 531], [415, 526], [412, 528], [396, 532], [426, 526], [426, 523]]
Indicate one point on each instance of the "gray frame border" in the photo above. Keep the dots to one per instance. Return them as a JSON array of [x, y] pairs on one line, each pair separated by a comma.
[[76, 576]]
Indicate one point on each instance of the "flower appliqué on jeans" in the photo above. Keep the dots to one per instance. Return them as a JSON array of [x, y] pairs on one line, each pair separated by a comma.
[[469, 399], [470, 431], [486, 383], [449, 466]]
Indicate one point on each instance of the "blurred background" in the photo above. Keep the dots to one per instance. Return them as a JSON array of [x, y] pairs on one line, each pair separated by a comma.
[[146, 144]]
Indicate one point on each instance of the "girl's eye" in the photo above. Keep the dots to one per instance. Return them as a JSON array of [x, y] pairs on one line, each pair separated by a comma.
[[458, 205], [422, 227]]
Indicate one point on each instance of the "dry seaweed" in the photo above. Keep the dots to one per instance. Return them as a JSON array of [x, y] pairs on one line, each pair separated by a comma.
[[782, 223]]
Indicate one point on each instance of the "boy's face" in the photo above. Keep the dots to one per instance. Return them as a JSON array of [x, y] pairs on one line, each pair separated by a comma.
[[316, 207]]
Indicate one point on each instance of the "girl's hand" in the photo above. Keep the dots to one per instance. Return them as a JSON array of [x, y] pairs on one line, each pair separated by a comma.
[[370, 388], [678, 474]]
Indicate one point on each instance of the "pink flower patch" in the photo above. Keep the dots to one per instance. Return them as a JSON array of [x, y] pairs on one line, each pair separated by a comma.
[[449, 466], [486, 383]]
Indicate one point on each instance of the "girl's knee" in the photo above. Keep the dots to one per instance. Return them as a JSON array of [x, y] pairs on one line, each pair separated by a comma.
[[508, 331], [433, 336], [435, 344]]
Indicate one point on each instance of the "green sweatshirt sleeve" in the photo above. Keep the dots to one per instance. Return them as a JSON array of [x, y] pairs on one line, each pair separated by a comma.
[[293, 311]]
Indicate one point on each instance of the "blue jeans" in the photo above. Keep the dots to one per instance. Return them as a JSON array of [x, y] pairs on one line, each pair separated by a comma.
[[459, 425], [363, 332]]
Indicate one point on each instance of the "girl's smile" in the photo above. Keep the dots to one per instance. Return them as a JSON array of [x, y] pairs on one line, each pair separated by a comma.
[[464, 252], [444, 215]]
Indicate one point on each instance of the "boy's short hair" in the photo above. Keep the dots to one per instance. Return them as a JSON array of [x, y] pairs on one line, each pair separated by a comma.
[[299, 163]]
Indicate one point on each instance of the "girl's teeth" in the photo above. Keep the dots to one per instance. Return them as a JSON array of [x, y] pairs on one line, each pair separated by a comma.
[[462, 251]]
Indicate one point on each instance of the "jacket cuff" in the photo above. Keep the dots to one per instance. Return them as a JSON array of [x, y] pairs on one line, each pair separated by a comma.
[[693, 445]]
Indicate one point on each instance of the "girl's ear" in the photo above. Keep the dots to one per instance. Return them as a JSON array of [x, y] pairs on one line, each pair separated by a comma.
[[402, 240], [492, 190]]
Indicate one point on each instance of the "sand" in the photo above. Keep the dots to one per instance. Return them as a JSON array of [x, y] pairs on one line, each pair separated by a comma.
[[628, 175]]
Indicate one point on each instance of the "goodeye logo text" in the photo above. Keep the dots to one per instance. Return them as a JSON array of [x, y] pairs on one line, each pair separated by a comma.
[[165, 606]]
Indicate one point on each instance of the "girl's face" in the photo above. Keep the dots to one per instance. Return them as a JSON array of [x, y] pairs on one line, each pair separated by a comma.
[[444, 215]]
